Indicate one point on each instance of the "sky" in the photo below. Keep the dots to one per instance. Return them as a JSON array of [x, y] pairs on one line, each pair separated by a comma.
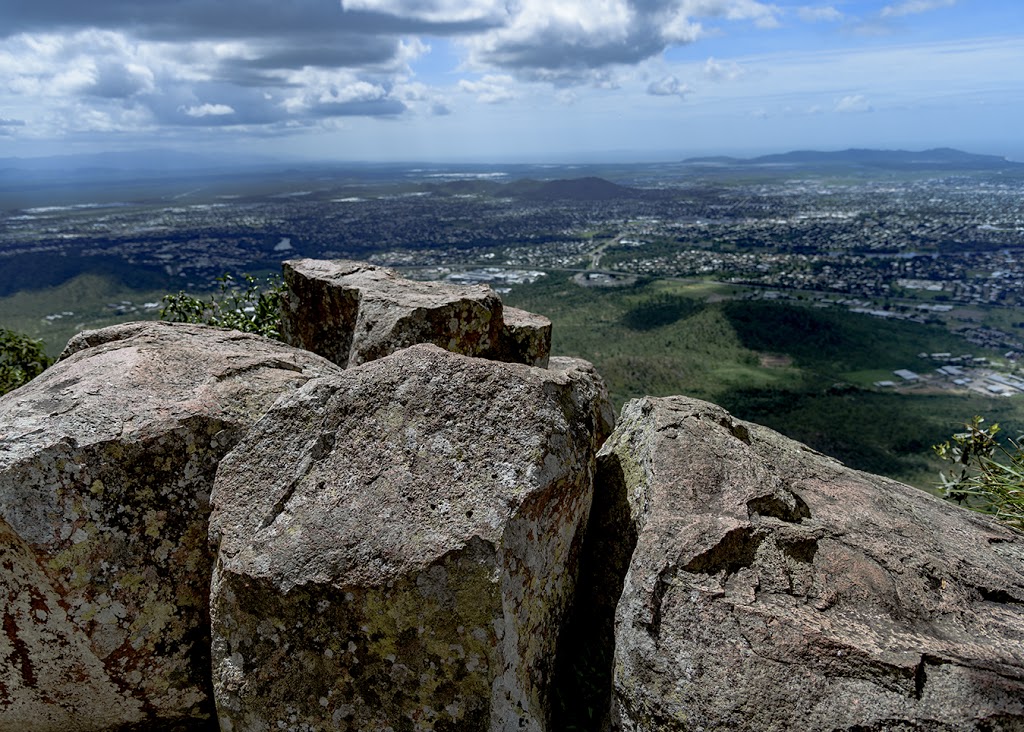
[[509, 80]]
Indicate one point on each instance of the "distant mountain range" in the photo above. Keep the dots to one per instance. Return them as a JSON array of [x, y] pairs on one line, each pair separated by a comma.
[[939, 158]]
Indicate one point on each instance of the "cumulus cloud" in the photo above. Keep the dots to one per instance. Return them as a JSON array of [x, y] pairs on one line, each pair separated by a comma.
[[490, 89], [105, 80], [668, 86], [209, 110], [114, 80], [853, 103], [719, 71], [4, 122], [118, 63], [913, 7], [570, 40], [267, 65], [825, 14]]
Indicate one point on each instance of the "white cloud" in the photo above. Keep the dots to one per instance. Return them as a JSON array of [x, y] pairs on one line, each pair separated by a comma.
[[853, 103], [762, 14], [337, 92], [105, 80], [825, 14], [719, 71], [569, 41], [668, 86], [491, 89], [913, 7], [209, 110]]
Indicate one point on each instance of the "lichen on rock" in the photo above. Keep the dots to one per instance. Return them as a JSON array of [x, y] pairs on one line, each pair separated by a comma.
[[397, 545], [351, 313], [772, 588], [106, 467]]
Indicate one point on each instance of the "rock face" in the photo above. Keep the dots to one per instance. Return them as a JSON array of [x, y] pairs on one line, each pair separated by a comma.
[[351, 313], [771, 588], [398, 546], [428, 540], [106, 465]]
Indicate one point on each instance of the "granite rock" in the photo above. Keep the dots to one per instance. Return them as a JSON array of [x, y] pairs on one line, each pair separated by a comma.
[[106, 465], [772, 588], [351, 313], [397, 545]]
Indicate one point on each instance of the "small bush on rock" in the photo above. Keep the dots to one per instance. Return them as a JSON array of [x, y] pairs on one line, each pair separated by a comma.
[[21, 359], [988, 477], [250, 309]]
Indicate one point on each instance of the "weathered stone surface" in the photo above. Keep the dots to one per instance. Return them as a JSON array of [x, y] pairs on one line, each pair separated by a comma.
[[526, 337], [398, 545], [774, 589], [106, 465], [352, 313]]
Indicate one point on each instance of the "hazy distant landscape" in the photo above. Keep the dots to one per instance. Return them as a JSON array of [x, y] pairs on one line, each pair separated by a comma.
[[865, 302]]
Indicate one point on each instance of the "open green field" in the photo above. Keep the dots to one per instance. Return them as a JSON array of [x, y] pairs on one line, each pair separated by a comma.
[[803, 371]]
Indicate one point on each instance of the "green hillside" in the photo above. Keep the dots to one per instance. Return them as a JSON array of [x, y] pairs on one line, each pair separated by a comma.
[[803, 371]]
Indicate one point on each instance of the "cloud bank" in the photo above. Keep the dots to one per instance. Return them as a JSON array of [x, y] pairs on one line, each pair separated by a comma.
[[121, 65]]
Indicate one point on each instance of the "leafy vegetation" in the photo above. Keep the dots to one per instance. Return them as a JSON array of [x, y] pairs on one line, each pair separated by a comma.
[[988, 476], [21, 360], [252, 308]]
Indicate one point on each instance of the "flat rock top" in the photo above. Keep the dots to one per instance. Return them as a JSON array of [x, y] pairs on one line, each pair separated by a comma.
[[137, 378], [385, 284], [399, 461], [524, 318]]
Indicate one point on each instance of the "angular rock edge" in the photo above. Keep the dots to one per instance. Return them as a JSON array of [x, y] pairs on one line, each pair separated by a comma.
[[351, 313], [439, 578], [106, 465], [772, 588]]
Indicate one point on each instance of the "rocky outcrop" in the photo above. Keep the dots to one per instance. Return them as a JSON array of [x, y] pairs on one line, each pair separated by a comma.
[[351, 313], [525, 338], [428, 540], [106, 465], [398, 546], [771, 588]]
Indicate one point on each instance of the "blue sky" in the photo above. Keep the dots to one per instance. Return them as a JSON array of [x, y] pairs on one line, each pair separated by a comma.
[[509, 80]]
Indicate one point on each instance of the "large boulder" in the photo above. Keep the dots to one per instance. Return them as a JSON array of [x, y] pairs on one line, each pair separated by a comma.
[[106, 466], [351, 313], [398, 545], [772, 588]]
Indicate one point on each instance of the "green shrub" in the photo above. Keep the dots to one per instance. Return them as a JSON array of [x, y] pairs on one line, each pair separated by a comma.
[[21, 359], [250, 309], [988, 477]]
